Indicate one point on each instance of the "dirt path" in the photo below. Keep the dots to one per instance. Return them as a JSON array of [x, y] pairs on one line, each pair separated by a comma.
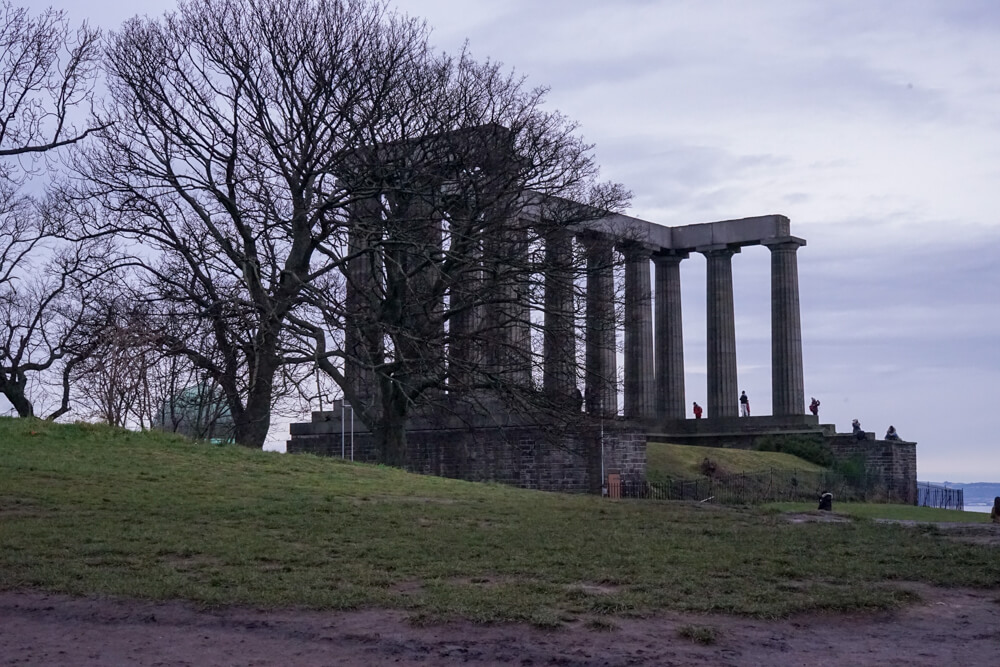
[[951, 626]]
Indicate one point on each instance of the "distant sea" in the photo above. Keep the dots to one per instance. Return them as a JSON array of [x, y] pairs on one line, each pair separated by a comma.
[[979, 507], [978, 495]]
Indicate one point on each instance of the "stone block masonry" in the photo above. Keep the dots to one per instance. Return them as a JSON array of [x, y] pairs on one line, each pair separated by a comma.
[[892, 463], [529, 456]]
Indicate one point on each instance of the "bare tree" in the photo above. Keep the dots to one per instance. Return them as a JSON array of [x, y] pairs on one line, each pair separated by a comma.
[[243, 138], [44, 304], [47, 71]]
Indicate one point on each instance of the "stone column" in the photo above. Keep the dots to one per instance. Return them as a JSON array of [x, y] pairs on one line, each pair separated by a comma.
[[559, 336], [601, 378], [520, 333], [362, 347], [723, 392], [787, 387], [670, 402], [464, 336], [639, 368], [506, 313]]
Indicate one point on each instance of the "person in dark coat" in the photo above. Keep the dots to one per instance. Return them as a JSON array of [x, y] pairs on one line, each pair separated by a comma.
[[814, 407], [891, 433], [744, 405]]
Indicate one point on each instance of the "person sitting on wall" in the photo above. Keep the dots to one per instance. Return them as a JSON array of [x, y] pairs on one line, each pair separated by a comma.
[[697, 410], [814, 407], [891, 433], [856, 430], [995, 512]]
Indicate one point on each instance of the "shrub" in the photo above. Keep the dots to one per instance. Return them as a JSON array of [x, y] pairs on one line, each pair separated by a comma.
[[853, 469]]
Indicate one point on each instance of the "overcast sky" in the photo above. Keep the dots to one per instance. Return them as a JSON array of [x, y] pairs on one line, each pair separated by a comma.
[[874, 126]]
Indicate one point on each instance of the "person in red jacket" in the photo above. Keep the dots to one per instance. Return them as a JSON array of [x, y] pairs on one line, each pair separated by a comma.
[[697, 410]]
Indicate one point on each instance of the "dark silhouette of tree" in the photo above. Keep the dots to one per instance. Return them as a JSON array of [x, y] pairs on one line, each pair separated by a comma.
[[244, 141], [48, 72]]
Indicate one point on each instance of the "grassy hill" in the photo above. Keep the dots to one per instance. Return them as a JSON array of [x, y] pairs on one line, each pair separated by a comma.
[[91, 510], [665, 461]]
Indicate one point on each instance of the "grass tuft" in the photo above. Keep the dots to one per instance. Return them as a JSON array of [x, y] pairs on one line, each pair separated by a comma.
[[699, 634]]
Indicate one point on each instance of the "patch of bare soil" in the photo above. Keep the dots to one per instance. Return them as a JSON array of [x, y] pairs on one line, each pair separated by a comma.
[[953, 626]]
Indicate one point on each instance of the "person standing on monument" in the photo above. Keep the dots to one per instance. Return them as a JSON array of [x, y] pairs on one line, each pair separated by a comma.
[[697, 410], [814, 407], [744, 405]]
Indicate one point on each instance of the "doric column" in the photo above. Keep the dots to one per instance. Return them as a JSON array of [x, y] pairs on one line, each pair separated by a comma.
[[601, 389], [638, 332], [506, 313], [464, 325], [787, 387], [559, 338], [362, 347], [723, 392], [520, 334], [670, 403]]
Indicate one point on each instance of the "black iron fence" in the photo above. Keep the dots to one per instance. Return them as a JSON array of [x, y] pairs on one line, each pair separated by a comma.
[[938, 495], [761, 487]]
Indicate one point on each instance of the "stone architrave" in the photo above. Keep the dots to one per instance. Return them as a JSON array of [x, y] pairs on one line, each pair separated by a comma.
[[559, 336], [787, 385], [723, 392], [639, 369], [601, 375], [670, 401]]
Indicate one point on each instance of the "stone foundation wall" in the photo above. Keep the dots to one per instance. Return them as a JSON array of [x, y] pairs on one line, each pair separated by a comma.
[[528, 456], [892, 462]]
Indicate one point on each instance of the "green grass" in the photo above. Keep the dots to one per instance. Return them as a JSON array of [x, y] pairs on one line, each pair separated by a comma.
[[886, 511], [92, 510], [664, 461]]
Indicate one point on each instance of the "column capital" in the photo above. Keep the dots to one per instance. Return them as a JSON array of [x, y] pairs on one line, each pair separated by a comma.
[[783, 243], [719, 250], [636, 249], [595, 240], [667, 256]]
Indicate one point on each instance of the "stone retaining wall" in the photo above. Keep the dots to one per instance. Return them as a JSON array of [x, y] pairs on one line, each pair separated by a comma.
[[891, 462], [529, 456]]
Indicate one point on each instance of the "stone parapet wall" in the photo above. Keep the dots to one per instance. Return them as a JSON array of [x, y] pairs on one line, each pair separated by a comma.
[[527, 456]]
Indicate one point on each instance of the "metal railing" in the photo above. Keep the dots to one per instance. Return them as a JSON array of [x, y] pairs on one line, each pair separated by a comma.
[[940, 496]]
